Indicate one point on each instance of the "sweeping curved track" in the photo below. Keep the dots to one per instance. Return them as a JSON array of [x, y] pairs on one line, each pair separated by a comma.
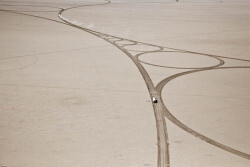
[[160, 109]]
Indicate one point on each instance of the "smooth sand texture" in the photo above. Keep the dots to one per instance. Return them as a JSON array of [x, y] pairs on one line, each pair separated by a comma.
[[75, 97]]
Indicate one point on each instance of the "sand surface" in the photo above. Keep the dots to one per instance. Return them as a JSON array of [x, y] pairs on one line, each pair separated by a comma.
[[77, 78]]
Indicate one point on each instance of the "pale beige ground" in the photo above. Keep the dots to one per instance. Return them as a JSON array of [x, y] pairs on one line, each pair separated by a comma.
[[68, 98]]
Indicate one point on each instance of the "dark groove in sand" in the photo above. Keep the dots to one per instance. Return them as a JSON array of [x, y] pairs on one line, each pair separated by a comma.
[[173, 119]]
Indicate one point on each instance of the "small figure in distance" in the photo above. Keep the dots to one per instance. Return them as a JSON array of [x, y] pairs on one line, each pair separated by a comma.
[[154, 100]]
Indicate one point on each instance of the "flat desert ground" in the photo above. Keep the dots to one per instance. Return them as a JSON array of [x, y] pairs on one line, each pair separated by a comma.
[[78, 79]]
